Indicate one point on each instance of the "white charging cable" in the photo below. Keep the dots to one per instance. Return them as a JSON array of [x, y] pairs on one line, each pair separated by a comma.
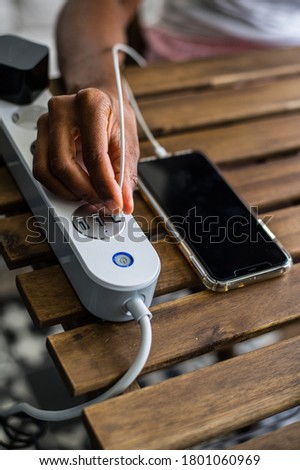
[[135, 306], [158, 149], [143, 317]]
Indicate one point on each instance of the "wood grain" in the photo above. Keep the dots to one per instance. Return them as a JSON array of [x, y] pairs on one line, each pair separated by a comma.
[[145, 217], [176, 272], [181, 112], [45, 305], [244, 122], [51, 299], [272, 183], [239, 142], [201, 322], [286, 438], [285, 224], [22, 243], [227, 70], [269, 184], [10, 196], [198, 406]]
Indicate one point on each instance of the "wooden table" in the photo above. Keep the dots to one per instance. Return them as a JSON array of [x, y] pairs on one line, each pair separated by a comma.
[[244, 112]]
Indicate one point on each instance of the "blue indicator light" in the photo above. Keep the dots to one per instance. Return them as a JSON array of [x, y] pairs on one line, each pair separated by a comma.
[[123, 259]]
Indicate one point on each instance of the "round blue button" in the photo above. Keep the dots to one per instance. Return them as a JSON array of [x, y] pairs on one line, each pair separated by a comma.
[[123, 259]]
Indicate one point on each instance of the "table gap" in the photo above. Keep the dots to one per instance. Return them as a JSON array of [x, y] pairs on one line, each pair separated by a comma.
[[160, 133]]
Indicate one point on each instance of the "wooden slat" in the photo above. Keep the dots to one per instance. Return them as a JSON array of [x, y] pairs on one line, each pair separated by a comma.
[[285, 224], [61, 302], [271, 183], [21, 242], [188, 409], [51, 299], [186, 111], [201, 322], [214, 71], [248, 141], [10, 196], [268, 184], [286, 438], [175, 274], [144, 216]]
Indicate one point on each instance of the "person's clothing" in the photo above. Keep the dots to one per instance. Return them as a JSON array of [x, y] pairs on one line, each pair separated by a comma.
[[196, 28], [179, 29], [163, 45]]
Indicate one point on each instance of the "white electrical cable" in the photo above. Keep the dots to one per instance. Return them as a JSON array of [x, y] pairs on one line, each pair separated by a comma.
[[158, 149], [141, 61], [143, 316], [136, 305]]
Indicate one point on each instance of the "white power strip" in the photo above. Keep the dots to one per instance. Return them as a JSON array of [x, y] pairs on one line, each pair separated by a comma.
[[107, 260]]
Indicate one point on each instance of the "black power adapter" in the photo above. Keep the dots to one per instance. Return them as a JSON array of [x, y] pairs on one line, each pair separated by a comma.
[[23, 69]]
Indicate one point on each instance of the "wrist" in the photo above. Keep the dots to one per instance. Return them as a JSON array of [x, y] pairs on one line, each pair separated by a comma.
[[95, 71]]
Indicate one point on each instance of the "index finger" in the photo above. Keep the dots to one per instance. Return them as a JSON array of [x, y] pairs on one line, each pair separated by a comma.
[[94, 111]]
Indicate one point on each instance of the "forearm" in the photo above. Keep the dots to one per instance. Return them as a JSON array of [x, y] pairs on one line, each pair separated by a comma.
[[86, 32]]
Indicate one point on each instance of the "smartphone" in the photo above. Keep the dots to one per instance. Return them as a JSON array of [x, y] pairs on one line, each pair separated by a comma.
[[221, 236]]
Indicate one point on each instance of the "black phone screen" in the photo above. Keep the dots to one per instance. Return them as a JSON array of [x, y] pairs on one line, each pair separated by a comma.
[[218, 227]]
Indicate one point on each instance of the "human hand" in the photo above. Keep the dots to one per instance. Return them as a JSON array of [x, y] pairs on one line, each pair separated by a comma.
[[77, 152]]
